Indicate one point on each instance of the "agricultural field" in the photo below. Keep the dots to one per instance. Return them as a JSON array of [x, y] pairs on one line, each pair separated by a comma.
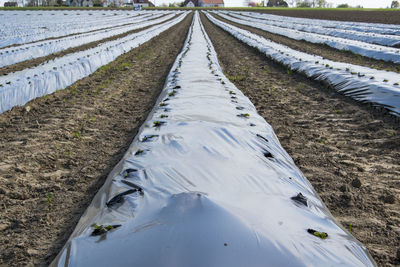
[[262, 136]]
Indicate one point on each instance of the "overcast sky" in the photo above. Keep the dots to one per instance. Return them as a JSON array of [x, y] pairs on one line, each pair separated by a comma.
[[364, 3]]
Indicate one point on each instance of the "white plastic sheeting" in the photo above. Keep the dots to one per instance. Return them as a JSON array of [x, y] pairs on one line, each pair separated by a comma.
[[380, 88], [368, 50], [207, 186], [20, 87], [325, 28], [378, 28], [13, 55], [19, 27]]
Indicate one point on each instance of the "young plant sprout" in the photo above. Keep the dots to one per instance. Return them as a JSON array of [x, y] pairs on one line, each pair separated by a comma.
[[49, 199], [138, 152], [101, 229], [157, 123], [244, 115]]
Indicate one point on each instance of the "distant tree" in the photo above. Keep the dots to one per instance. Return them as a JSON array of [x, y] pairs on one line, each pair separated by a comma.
[[176, 4], [291, 2], [343, 6], [97, 3], [277, 3], [322, 3], [260, 4], [395, 4], [304, 3], [252, 4]]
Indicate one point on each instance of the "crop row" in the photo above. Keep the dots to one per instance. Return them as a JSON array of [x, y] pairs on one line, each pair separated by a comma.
[[380, 88], [16, 29], [21, 53], [379, 52], [206, 183], [22, 86]]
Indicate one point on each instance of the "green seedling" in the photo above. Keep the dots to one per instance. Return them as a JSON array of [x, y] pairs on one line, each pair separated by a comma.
[[164, 116], [73, 90], [76, 134], [148, 137], [347, 69], [162, 104], [349, 228], [156, 123], [101, 229], [321, 235], [172, 93], [49, 199], [385, 80], [138, 152], [222, 82], [396, 84], [322, 141], [244, 115]]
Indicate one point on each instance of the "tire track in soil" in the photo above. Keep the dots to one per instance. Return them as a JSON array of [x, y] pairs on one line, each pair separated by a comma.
[[324, 51], [40, 60], [66, 143], [348, 151]]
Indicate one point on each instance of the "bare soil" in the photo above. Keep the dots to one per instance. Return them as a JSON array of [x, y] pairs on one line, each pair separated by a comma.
[[40, 60], [320, 50], [56, 151], [385, 17], [348, 151]]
